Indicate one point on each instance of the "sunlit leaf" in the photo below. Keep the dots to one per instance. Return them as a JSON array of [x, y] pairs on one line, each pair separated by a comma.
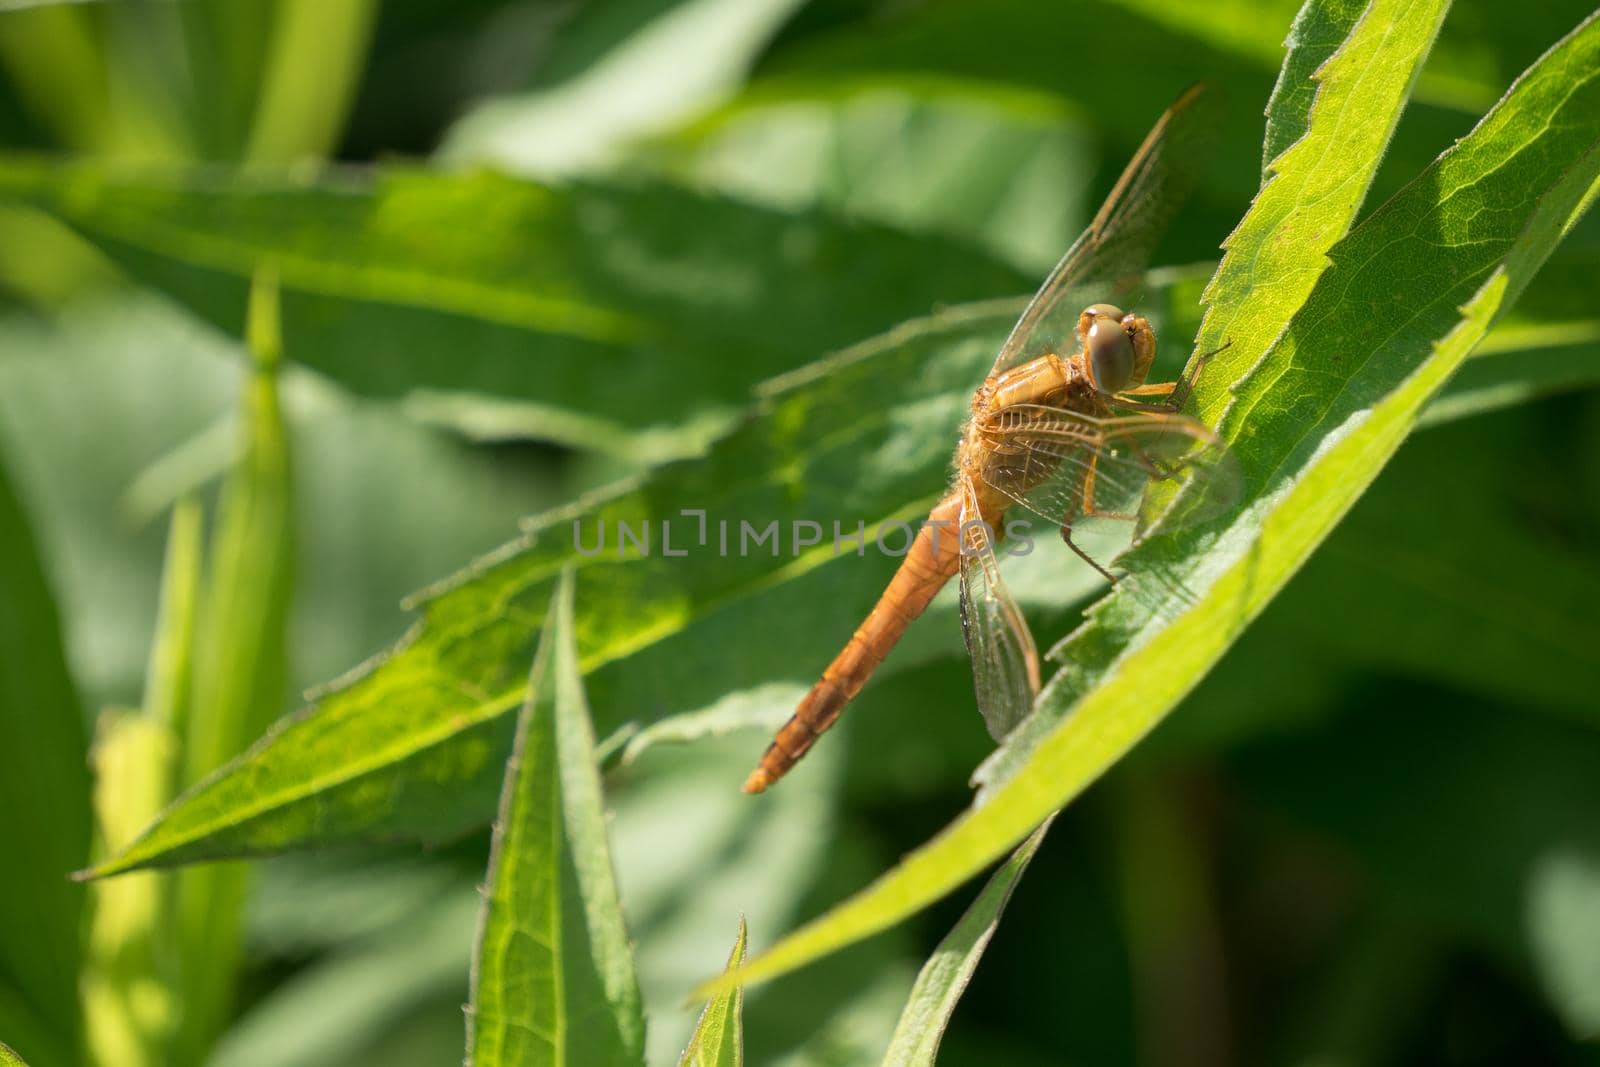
[[129, 1003], [1408, 295], [552, 978], [718, 1038], [413, 746]]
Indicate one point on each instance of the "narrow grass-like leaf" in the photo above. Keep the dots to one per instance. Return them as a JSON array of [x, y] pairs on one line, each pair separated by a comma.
[[311, 71], [44, 806], [1491, 381], [552, 978], [718, 1038], [1381, 332], [944, 977], [583, 313], [239, 669], [129, 1003]]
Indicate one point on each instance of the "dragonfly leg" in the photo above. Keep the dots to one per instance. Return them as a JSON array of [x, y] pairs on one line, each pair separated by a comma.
[[1087, 510], [1175, 394]]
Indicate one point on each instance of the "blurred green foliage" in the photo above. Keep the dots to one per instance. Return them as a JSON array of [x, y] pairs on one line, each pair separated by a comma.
[[1368, 836]]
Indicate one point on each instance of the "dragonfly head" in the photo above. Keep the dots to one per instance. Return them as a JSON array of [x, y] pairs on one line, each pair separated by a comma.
[[1118, 348]]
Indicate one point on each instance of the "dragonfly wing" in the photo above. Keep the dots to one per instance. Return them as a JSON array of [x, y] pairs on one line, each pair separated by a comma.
[[1105, 262], [1058, 464], [1005, 663]]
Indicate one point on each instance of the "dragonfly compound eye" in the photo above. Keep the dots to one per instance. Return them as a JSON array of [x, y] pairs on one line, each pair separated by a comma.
[[1110, 352]]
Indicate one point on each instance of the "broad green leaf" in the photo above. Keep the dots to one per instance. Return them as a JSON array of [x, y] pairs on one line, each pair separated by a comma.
[[1434, 560], [552, 979], [413, 746], [1006, 169], [718, 1038], [44, 791], [944, 977], [1311, 191], [239, 669], [1330, 402], [1318, 31], [584, 314], [641, 84]]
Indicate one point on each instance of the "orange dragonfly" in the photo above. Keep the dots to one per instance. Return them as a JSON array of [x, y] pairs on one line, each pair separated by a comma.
[[1062, 433]]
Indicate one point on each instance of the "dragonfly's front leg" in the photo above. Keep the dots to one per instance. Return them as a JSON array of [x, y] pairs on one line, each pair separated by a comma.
[[1175, 394], [1087, 510]]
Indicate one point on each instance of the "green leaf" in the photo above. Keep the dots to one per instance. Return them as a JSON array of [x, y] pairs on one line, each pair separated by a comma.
[[1310, 192], [640, 84], [413, 746], [944, 977], [1564, 921], [718, 1038], [1419, 800], [1005, 169], [130, 1007], [1409, 561], [9, 1058], [129, 1003], [763, 708], [1506, 376], [582, 314], [311, 72], [1328, 404], [239, 670], [1319, 29], [552, 979], [44, 790], [356, 995]]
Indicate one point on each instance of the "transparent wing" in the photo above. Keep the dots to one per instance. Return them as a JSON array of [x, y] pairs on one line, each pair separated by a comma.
[[1058, 465], [1005, 664], [1105, 262]]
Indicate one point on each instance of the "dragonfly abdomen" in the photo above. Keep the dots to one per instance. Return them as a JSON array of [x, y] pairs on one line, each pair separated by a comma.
[[932, 560]]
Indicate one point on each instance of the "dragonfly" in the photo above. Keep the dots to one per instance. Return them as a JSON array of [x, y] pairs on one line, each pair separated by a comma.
[[1063, 428]]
